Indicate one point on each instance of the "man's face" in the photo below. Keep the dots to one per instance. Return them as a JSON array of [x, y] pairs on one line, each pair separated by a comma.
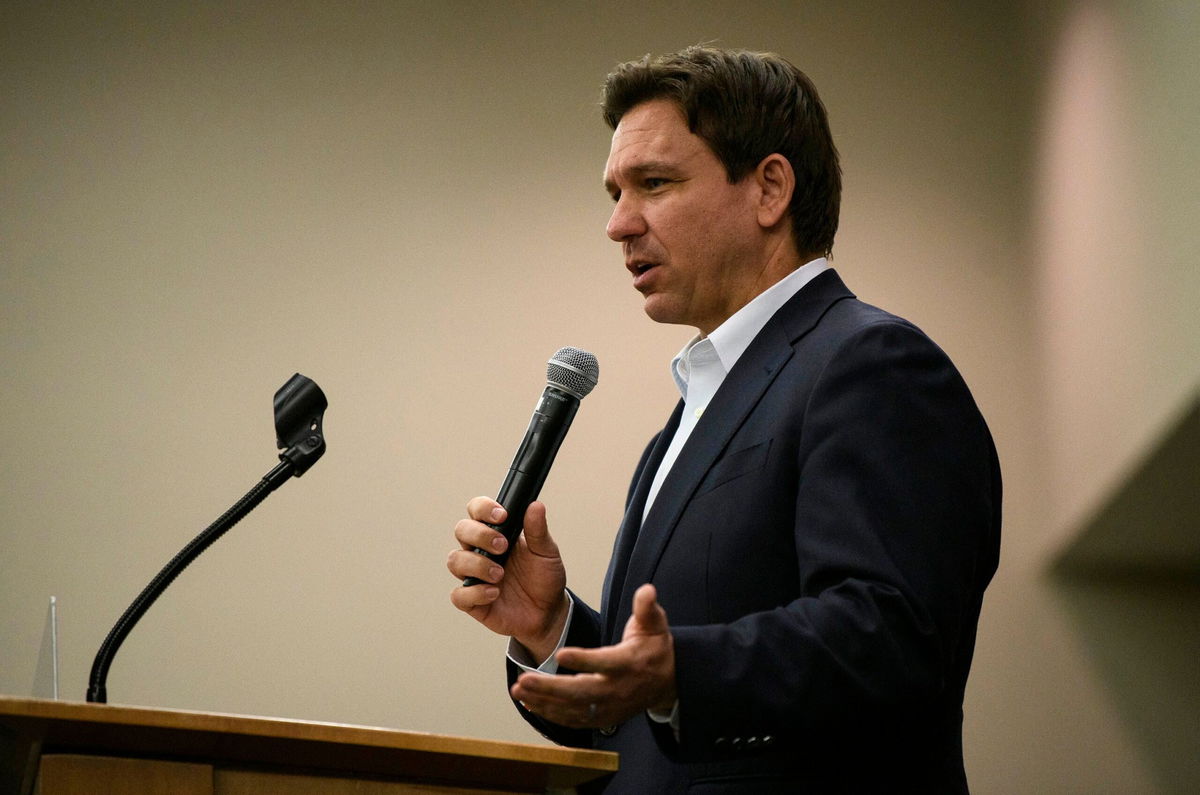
[[691, 239]]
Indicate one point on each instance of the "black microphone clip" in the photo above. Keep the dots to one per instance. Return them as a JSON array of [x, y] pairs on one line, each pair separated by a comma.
[[299, 409]]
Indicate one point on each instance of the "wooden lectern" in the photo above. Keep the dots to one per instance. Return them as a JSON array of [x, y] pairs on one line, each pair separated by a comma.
[[66, 748]]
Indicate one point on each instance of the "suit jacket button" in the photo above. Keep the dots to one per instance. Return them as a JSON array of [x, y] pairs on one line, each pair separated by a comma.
[[608, 731], [751, 742], [736, 742], [719, 742]]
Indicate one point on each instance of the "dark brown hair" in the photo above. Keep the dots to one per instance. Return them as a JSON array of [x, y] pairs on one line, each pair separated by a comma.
[[746, 106]]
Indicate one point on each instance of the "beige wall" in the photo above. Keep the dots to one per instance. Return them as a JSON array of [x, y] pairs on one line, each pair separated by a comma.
[[1117, 197], [403, 202]]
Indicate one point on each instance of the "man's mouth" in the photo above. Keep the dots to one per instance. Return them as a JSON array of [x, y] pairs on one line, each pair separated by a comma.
[[643, 274]]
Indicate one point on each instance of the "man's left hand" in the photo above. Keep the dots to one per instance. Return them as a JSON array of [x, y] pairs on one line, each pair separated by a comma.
[[614, 683]]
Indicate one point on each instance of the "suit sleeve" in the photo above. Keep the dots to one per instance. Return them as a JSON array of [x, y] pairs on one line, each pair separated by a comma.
[[896, 528], [584, 632]]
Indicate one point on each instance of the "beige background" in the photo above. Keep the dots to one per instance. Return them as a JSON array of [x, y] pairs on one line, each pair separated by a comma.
[[403, 202]]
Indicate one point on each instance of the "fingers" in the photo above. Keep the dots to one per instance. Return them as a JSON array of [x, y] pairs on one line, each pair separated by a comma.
[[649, 618], [634, 675], [476, 596], [537, 532], [550, 690], [485, 509], [576, 701], [605, 659], [464, 563], [648, 622], [473, 532]]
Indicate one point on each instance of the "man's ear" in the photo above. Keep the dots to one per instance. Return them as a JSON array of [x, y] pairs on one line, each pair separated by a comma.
[[776, 181]]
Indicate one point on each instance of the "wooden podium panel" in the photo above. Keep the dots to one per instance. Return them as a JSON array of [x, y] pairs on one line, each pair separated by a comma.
[[100, 744], [78, 774]]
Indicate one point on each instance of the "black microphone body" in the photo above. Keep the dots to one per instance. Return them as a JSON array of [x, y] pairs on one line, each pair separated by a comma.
[[572, 374]]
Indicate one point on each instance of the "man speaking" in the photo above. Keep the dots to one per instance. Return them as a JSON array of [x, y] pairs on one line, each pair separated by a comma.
[[793, 595]]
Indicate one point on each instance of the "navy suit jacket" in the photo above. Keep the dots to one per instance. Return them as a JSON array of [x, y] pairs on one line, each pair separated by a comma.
[[821, 547]]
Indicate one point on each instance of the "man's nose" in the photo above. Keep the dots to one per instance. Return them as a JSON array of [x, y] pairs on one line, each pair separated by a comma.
[[626, 221]]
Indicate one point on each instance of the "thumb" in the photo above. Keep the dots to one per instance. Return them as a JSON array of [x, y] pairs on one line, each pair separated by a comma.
[[649, 617], [537, 532]]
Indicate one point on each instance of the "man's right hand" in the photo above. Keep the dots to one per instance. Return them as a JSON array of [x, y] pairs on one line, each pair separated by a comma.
[[526, 599]]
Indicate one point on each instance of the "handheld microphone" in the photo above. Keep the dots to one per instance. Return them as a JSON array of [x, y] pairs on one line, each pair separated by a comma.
[[570, 375]]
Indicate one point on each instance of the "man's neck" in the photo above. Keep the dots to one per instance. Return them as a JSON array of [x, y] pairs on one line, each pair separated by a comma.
[[779, 261]]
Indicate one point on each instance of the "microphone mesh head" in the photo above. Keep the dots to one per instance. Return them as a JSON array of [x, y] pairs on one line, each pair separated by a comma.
[[573, 370]]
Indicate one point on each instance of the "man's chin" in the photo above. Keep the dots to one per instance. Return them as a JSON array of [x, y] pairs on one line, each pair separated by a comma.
[[658, 310], [665, 311]]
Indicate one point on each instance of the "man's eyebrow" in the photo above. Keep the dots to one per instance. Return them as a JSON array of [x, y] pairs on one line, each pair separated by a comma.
[[640, 169]]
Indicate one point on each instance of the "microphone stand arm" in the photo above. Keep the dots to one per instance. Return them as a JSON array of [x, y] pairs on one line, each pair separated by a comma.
[[299, 406], [108, 650]]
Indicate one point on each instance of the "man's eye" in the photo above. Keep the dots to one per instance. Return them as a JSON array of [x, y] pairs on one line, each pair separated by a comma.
[[655, 182]]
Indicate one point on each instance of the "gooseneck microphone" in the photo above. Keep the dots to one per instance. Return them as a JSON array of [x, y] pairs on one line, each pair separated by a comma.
[[570, 375], [299, 412]]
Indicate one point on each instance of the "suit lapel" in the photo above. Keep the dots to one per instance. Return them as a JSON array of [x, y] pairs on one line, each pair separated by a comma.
[[728, 410], [632, 522]]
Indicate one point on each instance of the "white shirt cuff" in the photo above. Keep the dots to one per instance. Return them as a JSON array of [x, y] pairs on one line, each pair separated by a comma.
[[670, 718], [520, 655]]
